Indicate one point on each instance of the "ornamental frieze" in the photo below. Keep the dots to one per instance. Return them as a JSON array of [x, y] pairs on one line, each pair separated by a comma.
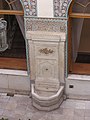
[[50, 25]]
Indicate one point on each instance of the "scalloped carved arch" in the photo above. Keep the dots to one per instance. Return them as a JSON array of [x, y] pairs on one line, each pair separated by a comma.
[[61, 8], [26, 7], [29, 9]]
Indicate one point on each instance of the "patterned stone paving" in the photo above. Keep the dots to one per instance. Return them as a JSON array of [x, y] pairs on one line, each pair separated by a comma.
[[20, 107]]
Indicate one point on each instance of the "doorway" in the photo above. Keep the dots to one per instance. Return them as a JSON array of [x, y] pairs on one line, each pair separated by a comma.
[[79, 38]]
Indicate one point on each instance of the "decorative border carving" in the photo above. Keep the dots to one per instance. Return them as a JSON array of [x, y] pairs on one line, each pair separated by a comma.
[[26, 7], [33, 7], [57, 11], [61, 7], [64, 7], [30, 10], [50, 25]]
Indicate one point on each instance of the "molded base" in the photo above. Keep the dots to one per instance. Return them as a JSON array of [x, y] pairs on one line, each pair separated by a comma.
[[44, 101]]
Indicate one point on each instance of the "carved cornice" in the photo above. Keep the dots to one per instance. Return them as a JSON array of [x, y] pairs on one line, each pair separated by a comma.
[[50, 25]]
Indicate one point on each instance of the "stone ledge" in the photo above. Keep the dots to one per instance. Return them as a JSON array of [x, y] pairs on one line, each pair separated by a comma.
[[46, 36]]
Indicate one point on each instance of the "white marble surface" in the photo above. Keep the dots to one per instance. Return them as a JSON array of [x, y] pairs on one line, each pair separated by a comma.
[[13, 72], [78, 77], [46, 36], [45, 8], [14, 82], [19, 83], [81, 86]]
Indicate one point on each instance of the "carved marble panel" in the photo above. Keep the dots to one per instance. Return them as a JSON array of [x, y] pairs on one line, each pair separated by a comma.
[[47, 68], [47, 75], [45, 60]]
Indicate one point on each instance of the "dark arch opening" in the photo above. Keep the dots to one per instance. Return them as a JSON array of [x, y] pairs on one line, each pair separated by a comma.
[[15, 56]]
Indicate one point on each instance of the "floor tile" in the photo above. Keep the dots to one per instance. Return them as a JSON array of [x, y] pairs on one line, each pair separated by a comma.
[[8, 113], [39, 115], [58, 111], [68, 111], [20, 107], [79, 112], [70, 104], [87, 113], [80, 105], [87, 118], [88, 105], [1, 112], [78, 118], [11, 105], [62, 117]]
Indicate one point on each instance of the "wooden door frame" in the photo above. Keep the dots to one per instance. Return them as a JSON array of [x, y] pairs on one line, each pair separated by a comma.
[[75, 68]]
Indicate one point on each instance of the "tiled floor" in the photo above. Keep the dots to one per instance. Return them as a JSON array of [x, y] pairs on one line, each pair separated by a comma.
[[20, 108]]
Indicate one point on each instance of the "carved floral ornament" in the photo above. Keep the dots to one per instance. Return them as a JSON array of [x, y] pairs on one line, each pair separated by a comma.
[[46, 51]]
